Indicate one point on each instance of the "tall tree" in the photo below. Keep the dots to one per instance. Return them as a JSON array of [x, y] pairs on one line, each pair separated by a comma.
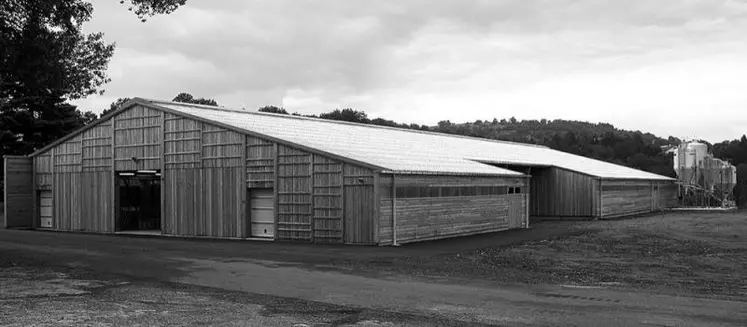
[[46, 60], [188, 98]]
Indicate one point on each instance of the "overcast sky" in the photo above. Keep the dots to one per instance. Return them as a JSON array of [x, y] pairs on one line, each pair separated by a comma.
[[675, 67]]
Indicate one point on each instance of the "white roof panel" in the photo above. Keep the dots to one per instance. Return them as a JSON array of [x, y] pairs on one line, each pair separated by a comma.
[[402, 150]]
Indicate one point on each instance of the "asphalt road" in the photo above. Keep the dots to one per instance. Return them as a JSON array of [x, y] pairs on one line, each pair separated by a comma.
[[301, 276]]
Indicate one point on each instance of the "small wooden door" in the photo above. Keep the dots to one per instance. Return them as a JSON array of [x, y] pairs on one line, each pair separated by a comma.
[[359, 214], [261, 212], [45, 209], [516, 211]]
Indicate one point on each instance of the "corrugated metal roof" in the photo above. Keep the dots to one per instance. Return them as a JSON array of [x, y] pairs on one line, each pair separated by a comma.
[[402, 150]]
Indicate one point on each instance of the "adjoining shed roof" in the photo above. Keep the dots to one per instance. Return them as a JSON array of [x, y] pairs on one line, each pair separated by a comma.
[[404, 151]]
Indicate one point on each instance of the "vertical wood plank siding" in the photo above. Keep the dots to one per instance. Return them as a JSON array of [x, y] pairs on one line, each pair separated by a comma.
[[66, 185], [182, 142], [360, 220], [19, 192], [137, 134], [430, 218], [558, 193], [96, 148], [667, 195], [96, 190], [204, 184], [327, 197], [294, 191], [260, 162], [43, 170], [627, 197]]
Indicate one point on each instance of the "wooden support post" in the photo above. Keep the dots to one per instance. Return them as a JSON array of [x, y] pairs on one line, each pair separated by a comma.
[[343, 217], [377, 204], [527, 196], [276, 184], [600, 210], [243, 208], [394, 212], [311, 198], [34, 195], [163, 169], [113, 175]]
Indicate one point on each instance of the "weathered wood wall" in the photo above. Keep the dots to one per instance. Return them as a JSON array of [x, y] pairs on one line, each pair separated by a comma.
[[43, 170], [360, 205], [260, 162], [433, 207], [66, 201], [96, 148], [19, 192], [667, 195], [182, 142], [626, 197], [561, 193], [294, 193], [138, 135], [95, 198], [199, 176], [203, 180], [328, 198], [66, 185]]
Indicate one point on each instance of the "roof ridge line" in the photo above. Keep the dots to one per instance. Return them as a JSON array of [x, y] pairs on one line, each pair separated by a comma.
[[342, 122]]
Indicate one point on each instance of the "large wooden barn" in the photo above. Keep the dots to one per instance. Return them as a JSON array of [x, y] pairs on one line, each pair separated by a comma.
[[190, 170]]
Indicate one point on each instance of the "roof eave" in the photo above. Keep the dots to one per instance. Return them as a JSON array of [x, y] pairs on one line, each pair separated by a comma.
[[448, 173]]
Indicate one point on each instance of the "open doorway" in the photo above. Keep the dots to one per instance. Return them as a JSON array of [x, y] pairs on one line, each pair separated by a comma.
[[139, 201]]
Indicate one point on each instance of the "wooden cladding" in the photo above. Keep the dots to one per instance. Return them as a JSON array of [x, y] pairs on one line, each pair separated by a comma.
[[627, 197], [328, 200], [260, 162], [96, 146], [43, 169], [182, 142], [359, 201], [420, 219], [667, 195], [222, 148], [294, 193], [561, 193], [68, 156], [83, 202], [205, 202], [138, 135], [427, 218], [19, 192]]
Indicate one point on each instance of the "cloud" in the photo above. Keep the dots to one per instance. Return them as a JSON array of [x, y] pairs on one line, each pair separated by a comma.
[[424, 61]]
